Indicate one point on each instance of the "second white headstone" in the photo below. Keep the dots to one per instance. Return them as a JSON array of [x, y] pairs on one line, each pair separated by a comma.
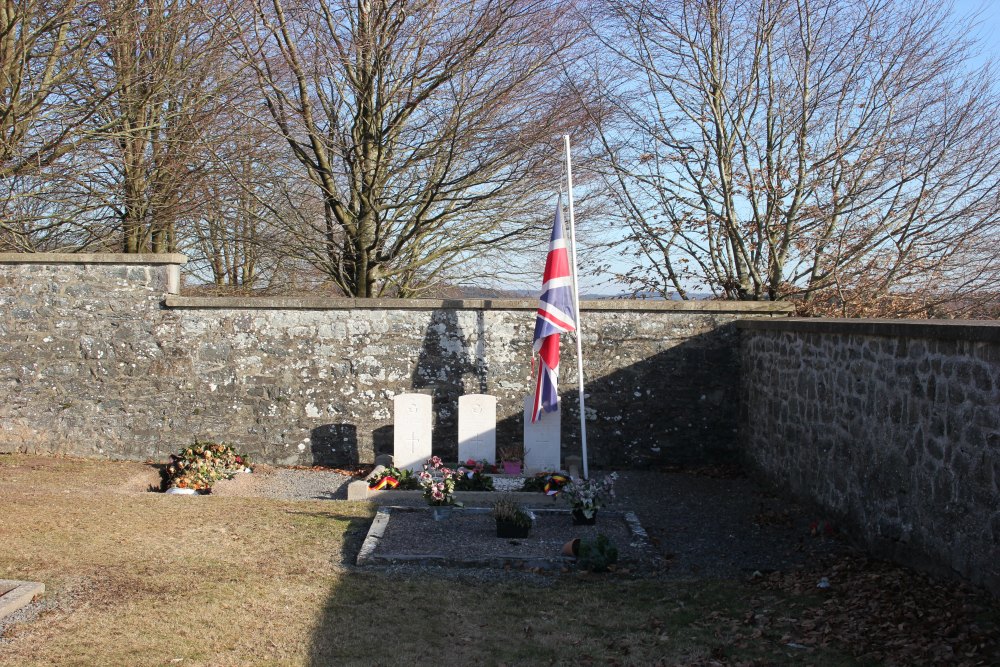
[[477, 428]]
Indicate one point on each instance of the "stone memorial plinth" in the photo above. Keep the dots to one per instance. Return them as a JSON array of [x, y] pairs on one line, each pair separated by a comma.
[[541, 440], [411, 434], [477, 428]]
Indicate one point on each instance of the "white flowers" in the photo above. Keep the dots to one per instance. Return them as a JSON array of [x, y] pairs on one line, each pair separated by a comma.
[[588, 495]]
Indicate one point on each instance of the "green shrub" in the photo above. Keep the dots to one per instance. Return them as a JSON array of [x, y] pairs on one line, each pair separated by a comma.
[[549, 483], [479, 481], [597, 555]]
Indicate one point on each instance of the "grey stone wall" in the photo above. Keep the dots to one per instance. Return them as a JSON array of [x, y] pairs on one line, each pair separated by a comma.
[[891, 426], [100, 357]]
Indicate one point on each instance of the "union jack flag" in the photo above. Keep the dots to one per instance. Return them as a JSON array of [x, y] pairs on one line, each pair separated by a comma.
[[555, 315]]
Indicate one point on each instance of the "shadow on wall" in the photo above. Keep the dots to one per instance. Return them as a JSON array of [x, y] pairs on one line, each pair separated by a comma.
[[335, 445], [448, 366], [382, 440], [678, 406]]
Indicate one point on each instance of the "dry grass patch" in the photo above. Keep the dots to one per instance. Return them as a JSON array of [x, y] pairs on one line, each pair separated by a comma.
[[146, 579], [142, 578]]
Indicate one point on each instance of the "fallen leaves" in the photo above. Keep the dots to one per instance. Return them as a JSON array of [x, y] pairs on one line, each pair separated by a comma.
[[888, 613]]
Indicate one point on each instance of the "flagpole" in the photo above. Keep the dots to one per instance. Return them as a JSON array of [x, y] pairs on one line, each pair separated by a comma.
[[576, 307]]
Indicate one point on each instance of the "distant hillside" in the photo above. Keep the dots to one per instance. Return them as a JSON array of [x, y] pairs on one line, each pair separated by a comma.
[[491, 293], [440, 292]]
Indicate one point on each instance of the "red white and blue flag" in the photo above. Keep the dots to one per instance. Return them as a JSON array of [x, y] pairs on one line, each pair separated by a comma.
[[555, 315]]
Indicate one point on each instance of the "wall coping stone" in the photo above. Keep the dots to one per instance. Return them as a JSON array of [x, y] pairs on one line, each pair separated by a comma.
[[987, 331], [775, 308], [91, 258]]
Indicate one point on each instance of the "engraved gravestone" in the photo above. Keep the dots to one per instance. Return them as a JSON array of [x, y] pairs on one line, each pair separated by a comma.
[[541, 440], [477, 428], [411, 433]]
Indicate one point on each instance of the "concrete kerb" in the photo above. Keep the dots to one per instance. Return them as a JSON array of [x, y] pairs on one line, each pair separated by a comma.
[[17, 594]]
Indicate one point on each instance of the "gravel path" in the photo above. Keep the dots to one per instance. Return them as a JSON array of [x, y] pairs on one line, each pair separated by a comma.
[[709, 524], [286, 484]]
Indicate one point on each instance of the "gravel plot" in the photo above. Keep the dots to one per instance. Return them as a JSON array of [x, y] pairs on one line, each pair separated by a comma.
[[468, 537], [706, 524]]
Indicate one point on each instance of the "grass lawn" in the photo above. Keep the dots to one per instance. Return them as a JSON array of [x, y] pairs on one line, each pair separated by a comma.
[[135, 578]]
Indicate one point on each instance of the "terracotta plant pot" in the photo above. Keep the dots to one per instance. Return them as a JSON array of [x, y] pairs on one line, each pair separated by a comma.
[[571, 548]]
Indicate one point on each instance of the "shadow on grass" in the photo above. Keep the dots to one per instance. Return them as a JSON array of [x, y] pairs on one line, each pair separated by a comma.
[[354, 532], [161, 471], [571, 620]]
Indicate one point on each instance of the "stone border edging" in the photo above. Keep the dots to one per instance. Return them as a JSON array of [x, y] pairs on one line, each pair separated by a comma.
[[774, 308], [986, 331], [375, 533], [21, 595]]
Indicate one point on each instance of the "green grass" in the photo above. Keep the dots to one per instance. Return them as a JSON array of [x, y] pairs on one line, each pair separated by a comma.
[[136, 578]]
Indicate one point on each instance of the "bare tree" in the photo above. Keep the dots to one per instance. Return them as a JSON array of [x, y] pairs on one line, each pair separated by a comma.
[[44, 112], [428, 128], [237, 238], [41, 50], [837, 151], [161, 67]]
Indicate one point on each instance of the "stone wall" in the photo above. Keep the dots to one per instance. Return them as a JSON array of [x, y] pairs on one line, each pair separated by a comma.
[[891, 426], [100, 357]]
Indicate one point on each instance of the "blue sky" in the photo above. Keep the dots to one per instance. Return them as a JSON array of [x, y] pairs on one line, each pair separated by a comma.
[[989, 22]]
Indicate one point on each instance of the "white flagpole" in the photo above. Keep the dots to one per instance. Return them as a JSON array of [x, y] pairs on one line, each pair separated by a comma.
[[576, 308]]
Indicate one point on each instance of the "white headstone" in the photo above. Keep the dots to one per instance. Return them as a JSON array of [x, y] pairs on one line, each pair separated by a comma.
[[541, 440], [477, 428], [411, 431]]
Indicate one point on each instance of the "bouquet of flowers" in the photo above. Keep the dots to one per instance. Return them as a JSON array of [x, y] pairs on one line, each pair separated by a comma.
[[588, 495], [472, 477], [438, 482], [393, 478], [202, 464]]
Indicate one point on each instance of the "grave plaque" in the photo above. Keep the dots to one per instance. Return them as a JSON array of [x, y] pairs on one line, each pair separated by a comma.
[[541, 440], [411, 433], [477, 428]]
